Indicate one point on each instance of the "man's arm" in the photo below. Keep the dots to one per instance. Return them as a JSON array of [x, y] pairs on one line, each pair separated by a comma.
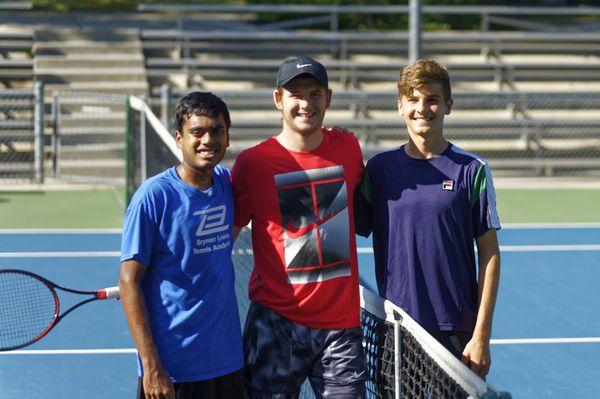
[[477, 352], [156, 382], [363, 210]]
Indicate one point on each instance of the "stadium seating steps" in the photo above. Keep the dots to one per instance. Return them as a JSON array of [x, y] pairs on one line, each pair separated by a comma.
[[524, 100]]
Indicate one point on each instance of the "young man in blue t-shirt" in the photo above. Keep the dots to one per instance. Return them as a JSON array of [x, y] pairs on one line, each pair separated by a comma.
[[426, 202], [177, 279]]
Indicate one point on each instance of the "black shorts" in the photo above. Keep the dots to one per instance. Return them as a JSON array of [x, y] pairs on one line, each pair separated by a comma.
[[228, 386], [280, 355]]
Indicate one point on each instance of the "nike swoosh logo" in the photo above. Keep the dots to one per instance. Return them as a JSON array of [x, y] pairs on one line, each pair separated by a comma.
[[295, 232], [302, 66]]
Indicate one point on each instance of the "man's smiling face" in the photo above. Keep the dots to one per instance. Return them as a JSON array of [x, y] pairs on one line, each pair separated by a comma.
[[302, 102], [203, 141], [424, 110]]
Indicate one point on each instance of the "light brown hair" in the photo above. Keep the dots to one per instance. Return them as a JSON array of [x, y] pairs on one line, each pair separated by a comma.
[[421, 73]]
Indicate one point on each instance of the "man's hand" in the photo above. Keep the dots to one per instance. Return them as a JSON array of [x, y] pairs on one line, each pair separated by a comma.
[[157, 385], [477, 356]]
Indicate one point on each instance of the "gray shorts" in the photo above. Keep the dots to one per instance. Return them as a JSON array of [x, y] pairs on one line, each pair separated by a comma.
[[280, 355]]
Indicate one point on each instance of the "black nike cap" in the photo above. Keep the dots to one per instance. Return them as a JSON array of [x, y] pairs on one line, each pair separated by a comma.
[[293, 67]]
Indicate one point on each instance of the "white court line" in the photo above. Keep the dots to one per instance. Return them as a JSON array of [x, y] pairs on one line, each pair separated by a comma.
[[550, 225], [118, 230], [541, 248], [60, 231], [360, 250], [513, 341], [71, 352], [97, 254], [526, 341], [521, 248]]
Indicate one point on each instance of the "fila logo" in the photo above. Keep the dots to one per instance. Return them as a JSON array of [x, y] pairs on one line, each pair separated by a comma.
[[448, 185], [212, 220], [302, 66]]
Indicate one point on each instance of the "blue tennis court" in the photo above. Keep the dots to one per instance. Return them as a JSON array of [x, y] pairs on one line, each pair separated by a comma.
[[546, 341]]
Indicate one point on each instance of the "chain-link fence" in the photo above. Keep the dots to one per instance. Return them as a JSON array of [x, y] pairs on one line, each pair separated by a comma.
[[70, 136], [17, 139], [87, 137], [519, 133]]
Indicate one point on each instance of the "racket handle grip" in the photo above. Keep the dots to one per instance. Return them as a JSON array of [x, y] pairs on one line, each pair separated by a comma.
[[109, 293]]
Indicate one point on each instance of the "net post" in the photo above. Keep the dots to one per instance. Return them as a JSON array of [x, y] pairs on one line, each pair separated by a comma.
[[397, 355]]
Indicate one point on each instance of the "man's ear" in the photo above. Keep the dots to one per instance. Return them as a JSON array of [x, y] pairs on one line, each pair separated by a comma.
[[400, 109], [178, 138], [277, 99], [328, 95], [449, 104]]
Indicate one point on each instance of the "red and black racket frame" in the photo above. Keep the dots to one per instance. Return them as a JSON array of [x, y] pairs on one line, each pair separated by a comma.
[[52, 287]]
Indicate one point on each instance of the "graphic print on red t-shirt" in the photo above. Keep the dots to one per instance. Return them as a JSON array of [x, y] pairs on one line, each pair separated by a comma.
[[314, 215]]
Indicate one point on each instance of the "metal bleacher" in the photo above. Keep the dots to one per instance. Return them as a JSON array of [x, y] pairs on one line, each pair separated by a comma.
[[16, 62], [355, 59], [358, 74], [16, 100], [520, 133], [241, 50], [526, 90], [526, 98]]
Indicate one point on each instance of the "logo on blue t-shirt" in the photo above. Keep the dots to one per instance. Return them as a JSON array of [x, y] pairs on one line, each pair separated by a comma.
[[212, 222]]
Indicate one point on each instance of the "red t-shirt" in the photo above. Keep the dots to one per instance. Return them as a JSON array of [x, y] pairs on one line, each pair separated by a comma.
[[301, 208]]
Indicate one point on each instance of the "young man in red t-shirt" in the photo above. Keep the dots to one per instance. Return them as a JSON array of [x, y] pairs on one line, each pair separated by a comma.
[[296, 188]]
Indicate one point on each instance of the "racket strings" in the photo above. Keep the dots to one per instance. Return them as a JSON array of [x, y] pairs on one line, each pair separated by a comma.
[[27, 308]]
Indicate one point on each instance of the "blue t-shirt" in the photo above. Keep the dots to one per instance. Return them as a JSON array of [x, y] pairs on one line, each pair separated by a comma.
[[184, 236], [425, 215]]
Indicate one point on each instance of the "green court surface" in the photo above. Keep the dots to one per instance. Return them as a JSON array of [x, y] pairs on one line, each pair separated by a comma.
[[548, 205], [103, 208]]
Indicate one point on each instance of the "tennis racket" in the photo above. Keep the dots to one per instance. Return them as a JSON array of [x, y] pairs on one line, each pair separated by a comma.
[[30, 307]]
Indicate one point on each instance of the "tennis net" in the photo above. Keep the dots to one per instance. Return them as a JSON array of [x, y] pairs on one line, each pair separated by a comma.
[[403, 360]]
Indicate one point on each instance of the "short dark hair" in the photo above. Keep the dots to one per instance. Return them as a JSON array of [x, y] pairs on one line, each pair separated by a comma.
[[421, 73], [203, 104]]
